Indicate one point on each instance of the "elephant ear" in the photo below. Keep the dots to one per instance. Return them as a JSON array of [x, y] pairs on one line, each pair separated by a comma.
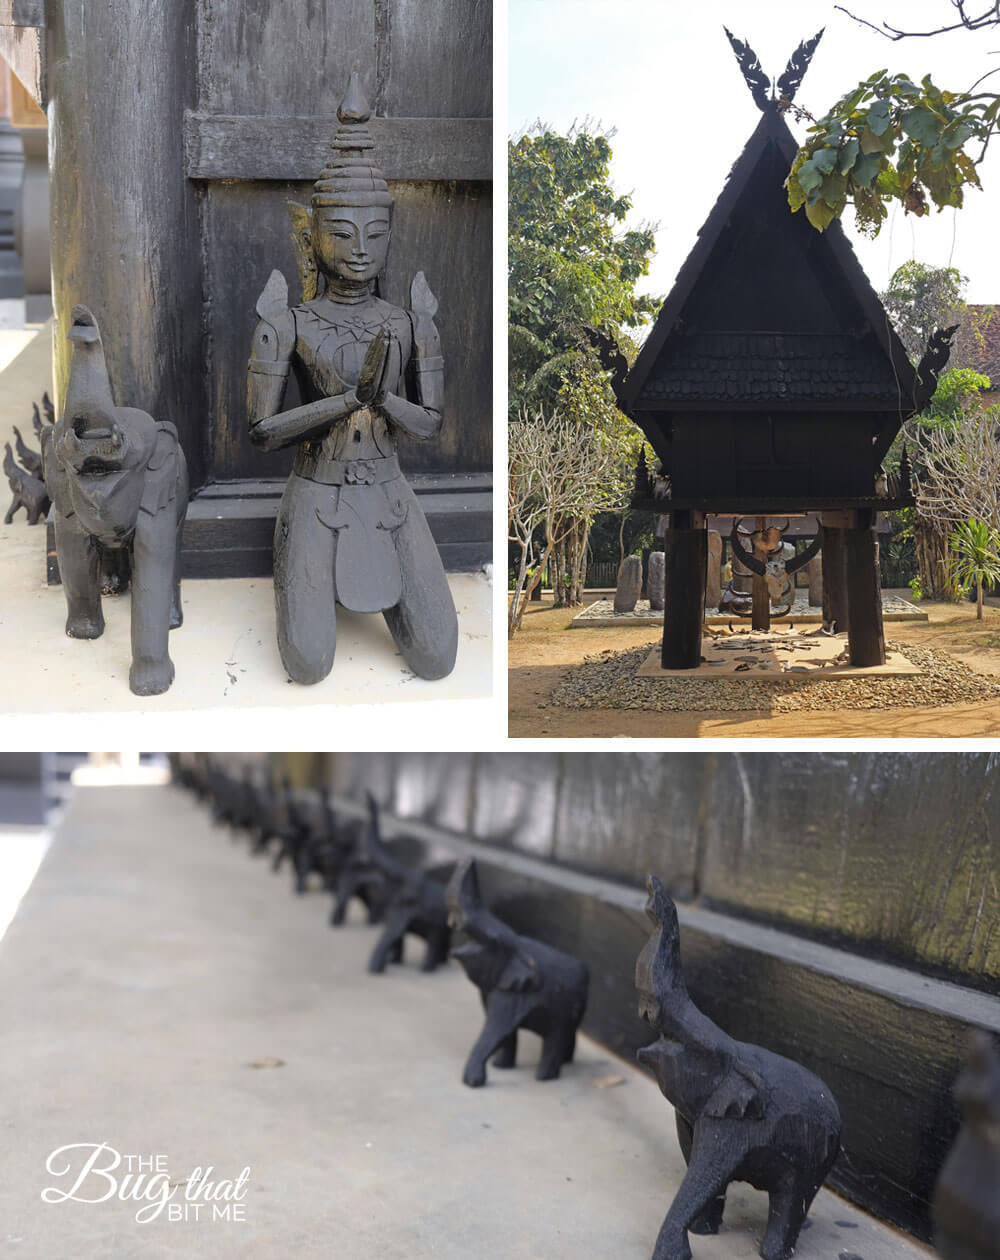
[[161, 471], [167, 442], [739, 1096], [520, 975]]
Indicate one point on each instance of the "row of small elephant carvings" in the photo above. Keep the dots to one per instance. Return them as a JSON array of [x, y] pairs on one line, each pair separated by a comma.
[[743, 1113]]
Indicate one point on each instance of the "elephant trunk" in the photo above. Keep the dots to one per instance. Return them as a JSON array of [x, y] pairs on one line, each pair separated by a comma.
[[89, 412]]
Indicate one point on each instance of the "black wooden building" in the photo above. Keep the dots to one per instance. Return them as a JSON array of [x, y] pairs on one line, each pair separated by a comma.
[[772, 383]]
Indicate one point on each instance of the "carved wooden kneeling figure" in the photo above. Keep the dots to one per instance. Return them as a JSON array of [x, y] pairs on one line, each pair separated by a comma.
[[523, 984], [743, 1113]]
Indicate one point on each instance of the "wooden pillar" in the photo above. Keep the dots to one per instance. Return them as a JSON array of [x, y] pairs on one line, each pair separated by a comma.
[[833, 529], [124, 217], [760, 612], [865, 637], [685, 549], [713, 580]]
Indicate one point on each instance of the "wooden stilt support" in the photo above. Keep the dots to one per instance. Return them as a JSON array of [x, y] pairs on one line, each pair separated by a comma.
[[760, 612], [834, 574], [685, 547], [865, 636]]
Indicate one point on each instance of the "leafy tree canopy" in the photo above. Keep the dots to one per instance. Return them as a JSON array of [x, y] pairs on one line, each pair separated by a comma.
[[895, 139], [921, 298], [572, 267]]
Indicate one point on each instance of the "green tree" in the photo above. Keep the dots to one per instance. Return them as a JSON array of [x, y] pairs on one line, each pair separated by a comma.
[[572, 267], [572, 271], [893, 139], [958, 391], [920, 299], [974, 558]]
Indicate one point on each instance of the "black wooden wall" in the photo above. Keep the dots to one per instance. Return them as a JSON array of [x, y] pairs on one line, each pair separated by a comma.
[[892, 854], [269, 79], [178, 131]]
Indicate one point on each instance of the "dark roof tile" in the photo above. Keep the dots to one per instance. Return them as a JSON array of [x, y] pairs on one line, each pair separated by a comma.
[[759, 366]]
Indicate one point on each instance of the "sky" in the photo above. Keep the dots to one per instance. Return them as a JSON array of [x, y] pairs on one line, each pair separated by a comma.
[[665, 78]]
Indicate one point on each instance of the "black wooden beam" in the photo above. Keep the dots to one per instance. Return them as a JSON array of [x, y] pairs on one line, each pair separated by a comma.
[[257, 147], [723, 505], [888, 1041]]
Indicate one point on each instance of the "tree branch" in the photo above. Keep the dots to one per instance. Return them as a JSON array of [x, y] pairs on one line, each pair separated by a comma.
[[991, 17]]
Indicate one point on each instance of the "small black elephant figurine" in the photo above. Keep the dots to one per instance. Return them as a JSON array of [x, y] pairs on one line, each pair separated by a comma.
[[228, 796], [522, 983], [319, 846], [29, 493], [354, 875], [336, 854], [294, 828], [416, 905], [743, 1113], [118, 479], [31, 460], [967, 1198]]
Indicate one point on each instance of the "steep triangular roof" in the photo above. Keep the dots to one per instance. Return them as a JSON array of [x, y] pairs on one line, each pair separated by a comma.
[[810, 329]]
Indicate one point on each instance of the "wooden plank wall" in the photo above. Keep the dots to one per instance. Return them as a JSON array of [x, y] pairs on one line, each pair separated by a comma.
[[893, 855], [417, 61]]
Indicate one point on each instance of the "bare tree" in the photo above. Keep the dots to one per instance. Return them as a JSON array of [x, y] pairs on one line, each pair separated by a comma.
[[959, 479], [957, 473], [559, 473]]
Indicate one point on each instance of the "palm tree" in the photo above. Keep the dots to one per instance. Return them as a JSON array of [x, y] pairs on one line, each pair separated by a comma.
[[974, 546]]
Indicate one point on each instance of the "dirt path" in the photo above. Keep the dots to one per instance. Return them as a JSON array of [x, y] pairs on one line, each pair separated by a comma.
[[545, 648]]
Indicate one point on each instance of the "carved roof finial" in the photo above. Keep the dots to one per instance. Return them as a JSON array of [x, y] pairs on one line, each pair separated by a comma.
[[798, 64], [758, 82]]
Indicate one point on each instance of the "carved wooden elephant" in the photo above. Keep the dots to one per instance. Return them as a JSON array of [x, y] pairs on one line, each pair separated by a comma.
[[522, 982], [743, 1112], [414, 904], [118, 479]]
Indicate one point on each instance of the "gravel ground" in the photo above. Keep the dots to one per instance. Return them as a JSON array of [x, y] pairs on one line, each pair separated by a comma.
[[609, 681]]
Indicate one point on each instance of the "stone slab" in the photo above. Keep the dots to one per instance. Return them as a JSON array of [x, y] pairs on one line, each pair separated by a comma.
[[153, 961], [779, 654], [601, 614]]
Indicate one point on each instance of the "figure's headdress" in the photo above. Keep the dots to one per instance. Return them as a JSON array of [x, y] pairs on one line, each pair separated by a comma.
[[350, 177]]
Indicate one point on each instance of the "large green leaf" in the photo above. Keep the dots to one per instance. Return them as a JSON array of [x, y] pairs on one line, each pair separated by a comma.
[[921, 124], [820, 215], [878, 116], [866, 168], [849, 153], [809, 176]]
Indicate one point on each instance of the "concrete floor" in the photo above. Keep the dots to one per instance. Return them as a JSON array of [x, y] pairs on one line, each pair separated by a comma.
[[154, 962], [225, 654]]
